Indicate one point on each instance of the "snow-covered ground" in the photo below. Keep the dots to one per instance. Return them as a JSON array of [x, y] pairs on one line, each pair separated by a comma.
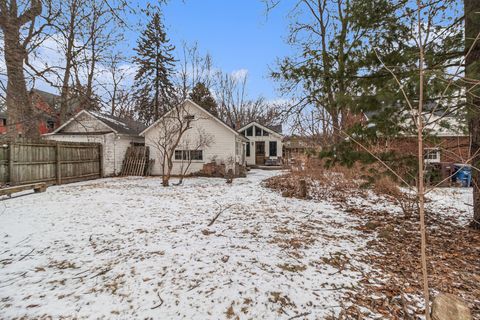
[[129, 248]]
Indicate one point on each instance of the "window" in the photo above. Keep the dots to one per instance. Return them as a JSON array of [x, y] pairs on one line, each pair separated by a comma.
[[249, 132], [431, 155], [247, 151], [194, 155], [3, 122], [265, 133], [258, 131], [273, 148], [50, 125], [243, 133], [179, 155]]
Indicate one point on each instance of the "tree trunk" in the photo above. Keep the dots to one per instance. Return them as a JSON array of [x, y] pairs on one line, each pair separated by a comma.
[[94, 55], [68, 65], [156, 106], [114, 96], [21, 117], [336, 129], [165, 180], [472, 72], [89, 87], [421, 172]]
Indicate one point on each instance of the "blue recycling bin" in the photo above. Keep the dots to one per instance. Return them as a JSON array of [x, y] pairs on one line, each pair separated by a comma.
[[463, 175]]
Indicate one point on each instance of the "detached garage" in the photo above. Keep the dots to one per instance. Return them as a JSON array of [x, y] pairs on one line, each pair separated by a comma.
[[115, 134]]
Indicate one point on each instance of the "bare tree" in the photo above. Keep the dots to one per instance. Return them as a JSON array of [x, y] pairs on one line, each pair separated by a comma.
[[191, 148], [236, 108], [194, 68], [101, 32], [117, 94], [472, 75], [171, 127], [69, 27], [312, 124], [421, 164]]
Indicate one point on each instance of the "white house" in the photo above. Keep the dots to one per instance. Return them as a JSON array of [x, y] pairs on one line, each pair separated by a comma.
[[115, 135], [207, 140], [265, 144]]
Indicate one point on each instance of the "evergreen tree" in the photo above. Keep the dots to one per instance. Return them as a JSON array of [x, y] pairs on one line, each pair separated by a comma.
[[365, 60], [344, 48], [202, 96], [153, 85], [472, 72], [333, 37]]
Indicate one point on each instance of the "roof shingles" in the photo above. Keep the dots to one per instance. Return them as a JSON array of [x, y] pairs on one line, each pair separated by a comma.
[[121, 125]]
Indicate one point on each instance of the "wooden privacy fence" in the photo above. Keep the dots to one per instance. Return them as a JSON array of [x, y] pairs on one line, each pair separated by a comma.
[[23, 162]]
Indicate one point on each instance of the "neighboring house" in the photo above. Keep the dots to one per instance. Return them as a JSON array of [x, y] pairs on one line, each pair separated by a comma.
[[115, 135], [265, 143], [46, 112], [446, 139], [294, 146], [225, 146]]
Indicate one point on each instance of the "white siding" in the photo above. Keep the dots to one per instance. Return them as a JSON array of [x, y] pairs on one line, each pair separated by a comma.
[[86, 123], [221, 149]]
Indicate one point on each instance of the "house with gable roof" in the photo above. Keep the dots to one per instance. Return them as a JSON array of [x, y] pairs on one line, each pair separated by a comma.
[[113, 133], [225, 147], [265, 146]]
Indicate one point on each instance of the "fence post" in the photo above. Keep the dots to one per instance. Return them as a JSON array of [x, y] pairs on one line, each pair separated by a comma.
[[100, 154], [10, 163], [58, 167]]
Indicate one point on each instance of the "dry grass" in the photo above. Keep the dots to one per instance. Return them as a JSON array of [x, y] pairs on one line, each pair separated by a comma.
[[386, 186], [338, 182], [327, 183], [453, 263]]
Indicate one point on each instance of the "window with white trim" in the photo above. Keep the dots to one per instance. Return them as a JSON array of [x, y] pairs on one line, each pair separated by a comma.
[[179, 155], [431, 155], [194, 155], [273, 148]]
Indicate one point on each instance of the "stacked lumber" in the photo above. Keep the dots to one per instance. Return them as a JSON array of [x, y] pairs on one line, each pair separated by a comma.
[[136, 161]]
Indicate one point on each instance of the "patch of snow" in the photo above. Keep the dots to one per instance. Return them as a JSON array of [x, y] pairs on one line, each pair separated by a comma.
[[118, 247]]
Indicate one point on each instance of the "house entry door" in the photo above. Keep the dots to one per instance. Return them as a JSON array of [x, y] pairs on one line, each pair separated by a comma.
[[260, 152]]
